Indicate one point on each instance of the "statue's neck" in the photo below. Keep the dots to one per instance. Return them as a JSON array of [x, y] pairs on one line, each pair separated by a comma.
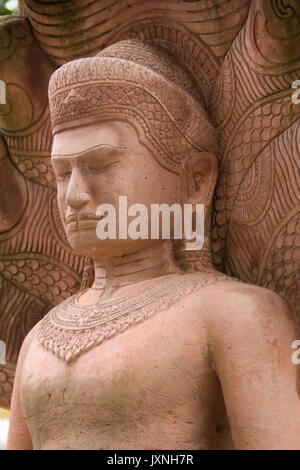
[[121, 271], [118, 276]]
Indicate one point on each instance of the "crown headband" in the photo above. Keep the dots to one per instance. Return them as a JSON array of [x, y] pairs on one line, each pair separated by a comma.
[[88, 90]]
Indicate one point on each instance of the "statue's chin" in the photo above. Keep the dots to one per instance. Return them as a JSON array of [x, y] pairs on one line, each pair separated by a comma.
[[86, 243]]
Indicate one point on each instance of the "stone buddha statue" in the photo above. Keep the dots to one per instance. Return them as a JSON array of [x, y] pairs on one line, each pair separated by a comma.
[[162, 351]]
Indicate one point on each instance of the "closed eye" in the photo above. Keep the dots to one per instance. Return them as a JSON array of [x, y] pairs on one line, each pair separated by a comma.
[[100, 169], [64, 176]]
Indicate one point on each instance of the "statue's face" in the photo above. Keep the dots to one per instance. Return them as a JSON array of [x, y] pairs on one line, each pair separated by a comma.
[[95, 165]]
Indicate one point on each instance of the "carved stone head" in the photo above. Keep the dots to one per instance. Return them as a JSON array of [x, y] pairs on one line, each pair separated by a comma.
[[127, 122]]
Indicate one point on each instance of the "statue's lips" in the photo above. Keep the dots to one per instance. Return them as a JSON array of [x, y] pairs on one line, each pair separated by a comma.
[[81, 221]]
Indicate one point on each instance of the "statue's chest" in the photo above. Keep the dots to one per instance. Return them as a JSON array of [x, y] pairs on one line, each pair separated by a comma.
[[157, 365], [126, 366]]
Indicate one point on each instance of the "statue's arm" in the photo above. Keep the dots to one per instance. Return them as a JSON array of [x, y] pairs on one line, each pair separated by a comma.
[[251, 335], [18, 434]]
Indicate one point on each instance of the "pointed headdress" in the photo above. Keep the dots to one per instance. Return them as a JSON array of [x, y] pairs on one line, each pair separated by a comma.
[[137, 82]]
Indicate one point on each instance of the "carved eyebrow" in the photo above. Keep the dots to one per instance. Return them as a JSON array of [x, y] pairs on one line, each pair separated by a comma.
[[88, 151]]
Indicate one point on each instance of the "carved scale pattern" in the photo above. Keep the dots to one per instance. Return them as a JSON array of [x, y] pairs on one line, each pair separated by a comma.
[[37, 266], [258, 192]]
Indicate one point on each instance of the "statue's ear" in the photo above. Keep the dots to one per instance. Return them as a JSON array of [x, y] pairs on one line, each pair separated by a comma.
[[201, 174]]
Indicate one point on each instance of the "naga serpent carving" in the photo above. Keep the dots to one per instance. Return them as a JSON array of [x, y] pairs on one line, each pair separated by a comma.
[[243, 56]]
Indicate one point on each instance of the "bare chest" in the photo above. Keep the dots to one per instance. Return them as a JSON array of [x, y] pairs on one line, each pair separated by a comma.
[[146, 381]]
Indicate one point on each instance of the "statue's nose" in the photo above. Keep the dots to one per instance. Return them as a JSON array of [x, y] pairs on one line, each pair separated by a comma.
[[77, 195], [78, 199]]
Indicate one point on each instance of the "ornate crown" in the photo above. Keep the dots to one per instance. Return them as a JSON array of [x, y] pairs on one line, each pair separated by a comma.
[[138, 82]]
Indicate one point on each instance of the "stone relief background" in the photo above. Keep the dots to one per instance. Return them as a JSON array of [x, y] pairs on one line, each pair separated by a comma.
[[244, 56]]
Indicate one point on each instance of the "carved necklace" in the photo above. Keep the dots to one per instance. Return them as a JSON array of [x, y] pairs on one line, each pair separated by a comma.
[[71, 329]]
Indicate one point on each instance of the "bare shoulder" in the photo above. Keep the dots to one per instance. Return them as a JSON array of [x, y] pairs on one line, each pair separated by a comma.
[[231, 305], [246, 297]]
